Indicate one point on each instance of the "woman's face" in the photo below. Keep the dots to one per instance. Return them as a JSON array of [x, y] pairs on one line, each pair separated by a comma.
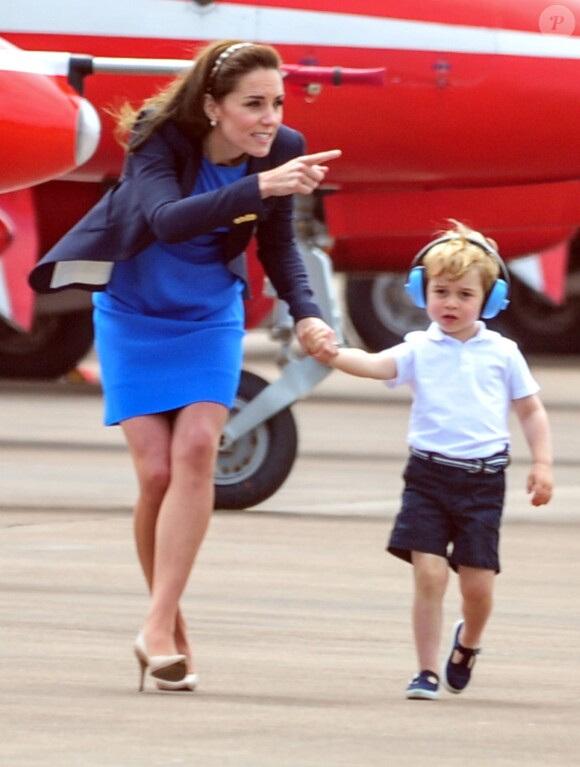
[[247, 118]]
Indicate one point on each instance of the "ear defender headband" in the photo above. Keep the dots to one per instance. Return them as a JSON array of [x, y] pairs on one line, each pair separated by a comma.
[[496, 301]]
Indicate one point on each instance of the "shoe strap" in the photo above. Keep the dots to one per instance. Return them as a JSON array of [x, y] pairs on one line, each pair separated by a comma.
[[467, 653], [428, 674]]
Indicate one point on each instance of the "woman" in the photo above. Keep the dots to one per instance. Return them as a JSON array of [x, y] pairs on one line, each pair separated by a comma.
[[211, 162]]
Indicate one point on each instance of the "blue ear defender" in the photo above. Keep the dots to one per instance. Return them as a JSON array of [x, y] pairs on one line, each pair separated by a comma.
[[415, 286], [496, 301]]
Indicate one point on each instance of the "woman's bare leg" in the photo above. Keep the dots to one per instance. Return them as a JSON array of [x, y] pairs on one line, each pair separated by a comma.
[[149, 440], [183, 518]]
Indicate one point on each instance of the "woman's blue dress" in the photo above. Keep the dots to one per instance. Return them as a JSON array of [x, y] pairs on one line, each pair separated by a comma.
[[170, 324]]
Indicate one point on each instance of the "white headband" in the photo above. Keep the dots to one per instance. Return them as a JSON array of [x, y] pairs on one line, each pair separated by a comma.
[[220, 60]]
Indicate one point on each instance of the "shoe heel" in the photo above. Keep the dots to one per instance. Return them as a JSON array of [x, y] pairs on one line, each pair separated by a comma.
[[141, 655], [143, 668], [171, 668]]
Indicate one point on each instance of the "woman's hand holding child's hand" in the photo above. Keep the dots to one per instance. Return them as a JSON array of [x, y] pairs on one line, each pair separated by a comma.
[[316, 339]]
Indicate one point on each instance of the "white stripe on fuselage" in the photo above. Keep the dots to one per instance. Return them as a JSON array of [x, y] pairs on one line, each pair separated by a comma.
[[5, 305], [36, 62], [178, 20]]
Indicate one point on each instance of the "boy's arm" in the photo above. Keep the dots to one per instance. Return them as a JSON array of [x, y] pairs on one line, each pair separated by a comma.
[[357, 362], [536, 428]]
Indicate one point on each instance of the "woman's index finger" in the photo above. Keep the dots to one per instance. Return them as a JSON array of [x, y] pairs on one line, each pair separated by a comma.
[[321, 157]]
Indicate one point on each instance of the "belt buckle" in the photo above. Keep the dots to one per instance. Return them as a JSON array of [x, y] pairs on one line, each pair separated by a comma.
[[478, 466]]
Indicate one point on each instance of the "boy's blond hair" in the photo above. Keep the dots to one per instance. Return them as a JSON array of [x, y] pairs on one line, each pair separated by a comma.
[[460, 254]]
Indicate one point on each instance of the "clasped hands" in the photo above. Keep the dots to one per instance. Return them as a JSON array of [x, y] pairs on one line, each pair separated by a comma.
[[316, 339]]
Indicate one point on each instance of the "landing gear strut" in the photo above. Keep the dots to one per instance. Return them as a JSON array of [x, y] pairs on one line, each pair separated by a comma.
[[259, 443]]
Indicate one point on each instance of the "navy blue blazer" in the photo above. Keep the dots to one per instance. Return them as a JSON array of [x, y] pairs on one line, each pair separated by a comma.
[[151, 201]]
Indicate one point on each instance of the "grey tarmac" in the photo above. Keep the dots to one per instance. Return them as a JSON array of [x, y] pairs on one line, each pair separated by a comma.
[[299, 619]]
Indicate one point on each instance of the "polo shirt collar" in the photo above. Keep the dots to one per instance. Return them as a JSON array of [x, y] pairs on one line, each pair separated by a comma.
[[435, 333]]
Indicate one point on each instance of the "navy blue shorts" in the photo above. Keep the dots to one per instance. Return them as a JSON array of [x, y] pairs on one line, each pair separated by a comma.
[[448, 512]]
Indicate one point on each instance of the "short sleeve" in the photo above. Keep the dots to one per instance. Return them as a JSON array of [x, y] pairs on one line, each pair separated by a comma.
[[522, 382], [404, 355]]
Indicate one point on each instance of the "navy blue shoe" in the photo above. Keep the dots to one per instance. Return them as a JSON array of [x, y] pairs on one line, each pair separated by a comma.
[[423, 686], [457, 673]]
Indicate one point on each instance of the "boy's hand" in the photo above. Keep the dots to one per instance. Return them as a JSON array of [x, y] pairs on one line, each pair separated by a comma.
[[540, 484], [316, 338]]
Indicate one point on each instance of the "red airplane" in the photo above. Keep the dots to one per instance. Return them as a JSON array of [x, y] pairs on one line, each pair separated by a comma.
[[46, 130], [474, 119], [454, 131], [41, 111]]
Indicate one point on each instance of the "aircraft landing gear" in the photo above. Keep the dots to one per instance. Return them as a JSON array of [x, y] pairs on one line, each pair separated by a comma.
[[50, 349], [380, 310], [254, 465], [382, 313], [259, 443]]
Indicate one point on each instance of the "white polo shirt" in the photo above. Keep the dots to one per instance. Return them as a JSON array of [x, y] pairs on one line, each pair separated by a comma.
[[462, 391]]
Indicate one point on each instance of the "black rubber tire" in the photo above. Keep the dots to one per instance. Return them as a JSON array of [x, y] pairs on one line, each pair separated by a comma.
[[256, 466], [380, 310], [538, 325], [53, 347]]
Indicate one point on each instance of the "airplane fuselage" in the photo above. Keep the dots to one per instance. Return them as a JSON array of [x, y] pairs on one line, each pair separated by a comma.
[[476, 94]]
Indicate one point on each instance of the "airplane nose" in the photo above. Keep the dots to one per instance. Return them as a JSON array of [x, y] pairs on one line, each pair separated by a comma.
[[46, 128], [88, 132]]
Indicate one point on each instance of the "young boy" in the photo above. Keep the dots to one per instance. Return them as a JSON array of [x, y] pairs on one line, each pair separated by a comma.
[[464, 378]]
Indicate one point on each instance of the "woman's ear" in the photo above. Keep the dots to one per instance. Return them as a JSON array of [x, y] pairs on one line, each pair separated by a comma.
[[210, 107]]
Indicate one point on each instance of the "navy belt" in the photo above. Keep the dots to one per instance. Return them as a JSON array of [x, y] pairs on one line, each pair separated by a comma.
[[491, 465]]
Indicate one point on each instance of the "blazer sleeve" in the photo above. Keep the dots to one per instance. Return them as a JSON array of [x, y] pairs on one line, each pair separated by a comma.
[[277, 249], [175, 218]]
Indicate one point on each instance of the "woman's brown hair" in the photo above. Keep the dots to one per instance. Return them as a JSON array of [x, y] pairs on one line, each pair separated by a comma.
[[215, 71]]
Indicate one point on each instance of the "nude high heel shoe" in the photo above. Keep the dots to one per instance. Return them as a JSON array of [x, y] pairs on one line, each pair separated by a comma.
[[187, 684], [166, 668]]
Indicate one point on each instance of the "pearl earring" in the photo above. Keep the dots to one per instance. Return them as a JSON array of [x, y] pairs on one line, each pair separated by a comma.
[[213, 123]]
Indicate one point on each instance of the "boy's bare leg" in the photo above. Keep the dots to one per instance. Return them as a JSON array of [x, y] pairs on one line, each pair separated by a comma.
[[431, 574], [476, 587]]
